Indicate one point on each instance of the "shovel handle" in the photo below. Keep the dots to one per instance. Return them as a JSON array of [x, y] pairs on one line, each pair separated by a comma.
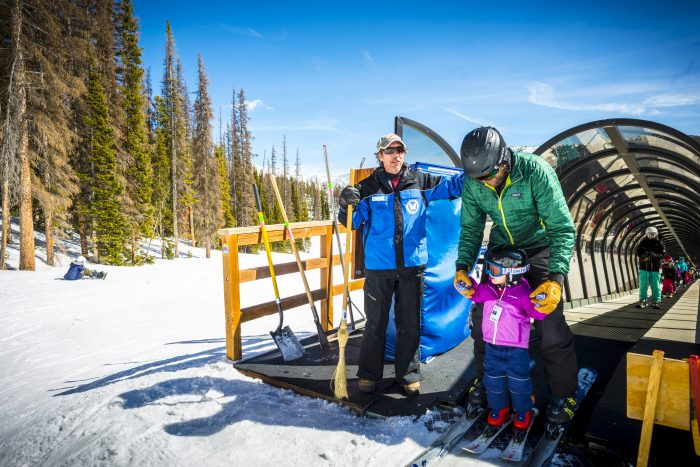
[[256, 193]]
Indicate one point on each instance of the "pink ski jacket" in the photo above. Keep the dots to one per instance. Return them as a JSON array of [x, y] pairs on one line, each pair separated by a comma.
[[509, 323]]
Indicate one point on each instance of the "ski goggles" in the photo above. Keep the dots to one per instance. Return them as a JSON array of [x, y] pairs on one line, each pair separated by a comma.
[[498, 270]]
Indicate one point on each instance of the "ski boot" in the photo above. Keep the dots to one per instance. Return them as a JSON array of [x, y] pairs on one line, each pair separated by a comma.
[[656, 305], [367, 386], [498, 417], [642, 304], [476, 401], [561, 410], [522, 420], [412, 389]]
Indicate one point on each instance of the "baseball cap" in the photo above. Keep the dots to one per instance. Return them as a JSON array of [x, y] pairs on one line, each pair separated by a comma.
[[386, 140]]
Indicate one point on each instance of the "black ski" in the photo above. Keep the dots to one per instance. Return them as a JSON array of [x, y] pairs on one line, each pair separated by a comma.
[[548, 443]]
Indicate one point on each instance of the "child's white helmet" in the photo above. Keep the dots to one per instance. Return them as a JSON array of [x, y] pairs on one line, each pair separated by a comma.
[[80, 260]]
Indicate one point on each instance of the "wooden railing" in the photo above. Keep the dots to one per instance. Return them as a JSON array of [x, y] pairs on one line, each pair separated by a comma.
[[234, 238]]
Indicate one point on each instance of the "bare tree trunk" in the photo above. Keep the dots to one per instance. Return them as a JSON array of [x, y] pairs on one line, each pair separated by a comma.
[[15, 141], [26, 223], [95, 250], [194, 242], [6, 228], [207, 244], [49, 238], [83, 236]]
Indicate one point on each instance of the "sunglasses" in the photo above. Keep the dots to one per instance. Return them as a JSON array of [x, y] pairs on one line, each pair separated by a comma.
[[489, 175], [390, 151]]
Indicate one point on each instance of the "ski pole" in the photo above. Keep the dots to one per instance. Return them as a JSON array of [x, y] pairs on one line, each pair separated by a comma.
[[334, 217], [322, 339]]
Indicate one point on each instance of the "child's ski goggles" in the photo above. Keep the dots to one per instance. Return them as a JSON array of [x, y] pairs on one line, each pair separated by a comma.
[[498, 270]]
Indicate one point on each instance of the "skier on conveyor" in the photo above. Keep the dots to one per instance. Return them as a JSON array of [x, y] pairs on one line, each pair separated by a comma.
[[522, 195]]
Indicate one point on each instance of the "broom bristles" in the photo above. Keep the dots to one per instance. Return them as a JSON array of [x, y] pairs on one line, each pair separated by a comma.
[[340, 381]]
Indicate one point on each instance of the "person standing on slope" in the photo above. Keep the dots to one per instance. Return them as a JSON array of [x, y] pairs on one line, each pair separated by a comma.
[[505, 299], [392, 204], [522, 195]]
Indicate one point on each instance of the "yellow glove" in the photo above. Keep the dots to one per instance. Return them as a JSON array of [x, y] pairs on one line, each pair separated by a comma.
[[546, 297], [463, 284]]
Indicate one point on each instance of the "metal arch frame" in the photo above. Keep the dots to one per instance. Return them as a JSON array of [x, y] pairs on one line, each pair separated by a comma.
[[693, 145], [593, 237], [398, 129], [611, 175], [666, 156], [623, 149], [640, 175]]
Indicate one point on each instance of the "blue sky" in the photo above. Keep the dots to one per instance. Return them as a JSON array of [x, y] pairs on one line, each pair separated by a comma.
[[337, 74]]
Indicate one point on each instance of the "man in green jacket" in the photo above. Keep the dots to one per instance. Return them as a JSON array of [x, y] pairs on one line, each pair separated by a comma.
[[521, 194]]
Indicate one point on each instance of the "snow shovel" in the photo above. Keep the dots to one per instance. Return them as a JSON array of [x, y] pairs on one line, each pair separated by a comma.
[[322, 339], [286, 341]]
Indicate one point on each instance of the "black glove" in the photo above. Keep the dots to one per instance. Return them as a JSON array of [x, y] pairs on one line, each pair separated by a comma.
[[349, 195]]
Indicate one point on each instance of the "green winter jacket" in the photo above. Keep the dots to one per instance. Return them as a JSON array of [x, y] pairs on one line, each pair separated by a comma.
[[531, 213]]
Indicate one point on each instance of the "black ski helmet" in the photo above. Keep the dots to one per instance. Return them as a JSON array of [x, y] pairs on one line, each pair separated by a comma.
[[507, 260], [483, 151]]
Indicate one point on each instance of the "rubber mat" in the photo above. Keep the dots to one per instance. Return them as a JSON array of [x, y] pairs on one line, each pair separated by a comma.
[[446, 377]]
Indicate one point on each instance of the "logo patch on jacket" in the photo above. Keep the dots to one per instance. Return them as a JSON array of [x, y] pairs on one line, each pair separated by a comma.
[[516, 194], [412, 206]]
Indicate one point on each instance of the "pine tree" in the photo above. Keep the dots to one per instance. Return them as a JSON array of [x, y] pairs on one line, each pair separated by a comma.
[[172, 101], [185, 170], [104, 207], [285, 174], [207, 177], [229, 220], [248, 214], [237, 168], [160, 162], [138, 165]]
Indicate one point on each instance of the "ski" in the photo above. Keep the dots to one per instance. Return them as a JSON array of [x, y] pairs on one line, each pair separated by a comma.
[[548, 443], [514, 451], [441, 446], [484, 440]]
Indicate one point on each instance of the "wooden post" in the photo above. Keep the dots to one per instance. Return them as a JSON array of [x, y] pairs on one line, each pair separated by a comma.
[[327, 279], [232, 297], [650, 408]]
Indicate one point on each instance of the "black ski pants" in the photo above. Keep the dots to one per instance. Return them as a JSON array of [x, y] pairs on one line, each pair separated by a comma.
[[406, 288], [556, 339]]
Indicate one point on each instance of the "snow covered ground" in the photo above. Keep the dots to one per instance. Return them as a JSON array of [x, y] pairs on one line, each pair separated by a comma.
[[132, 371]]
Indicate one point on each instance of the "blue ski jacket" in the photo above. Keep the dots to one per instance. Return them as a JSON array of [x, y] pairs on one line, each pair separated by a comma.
[[394, 219], [75, 272]]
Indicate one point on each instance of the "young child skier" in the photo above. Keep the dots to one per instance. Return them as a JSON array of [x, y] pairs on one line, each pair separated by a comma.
[[668, 273], [506, 328], [77, 270]]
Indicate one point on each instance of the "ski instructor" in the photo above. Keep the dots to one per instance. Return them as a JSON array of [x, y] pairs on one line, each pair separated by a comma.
[[522, 195], [392, 204]]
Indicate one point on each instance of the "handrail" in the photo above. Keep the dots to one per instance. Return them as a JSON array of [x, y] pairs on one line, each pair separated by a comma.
[[233, 238]]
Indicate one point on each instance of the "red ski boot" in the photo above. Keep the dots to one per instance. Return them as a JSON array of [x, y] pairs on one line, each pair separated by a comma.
[[498, 417], [522, 421]]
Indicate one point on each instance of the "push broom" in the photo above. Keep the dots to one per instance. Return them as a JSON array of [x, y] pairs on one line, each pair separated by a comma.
[[340, 383]]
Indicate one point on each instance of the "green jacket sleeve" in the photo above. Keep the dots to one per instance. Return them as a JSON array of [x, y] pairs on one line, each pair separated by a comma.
[[472, 223], [552, 209]]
